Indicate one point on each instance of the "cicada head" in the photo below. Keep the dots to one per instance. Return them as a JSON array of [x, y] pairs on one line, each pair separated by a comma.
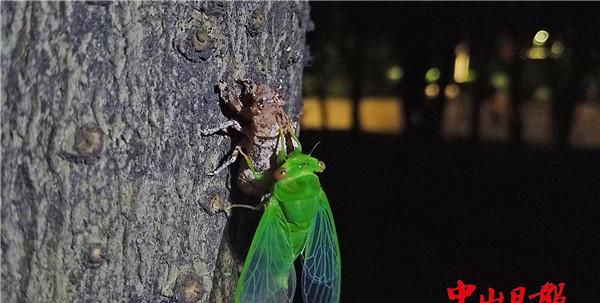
[[298, 164]]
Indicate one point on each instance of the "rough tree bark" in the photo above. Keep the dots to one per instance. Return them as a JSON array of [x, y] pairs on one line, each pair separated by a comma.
[[105, 196]]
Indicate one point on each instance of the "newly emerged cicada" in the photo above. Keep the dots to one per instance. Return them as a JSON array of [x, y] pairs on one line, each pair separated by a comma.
[[297, 221]]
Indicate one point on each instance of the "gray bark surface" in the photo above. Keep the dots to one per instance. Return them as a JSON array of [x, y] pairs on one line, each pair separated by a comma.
[[105, 196]]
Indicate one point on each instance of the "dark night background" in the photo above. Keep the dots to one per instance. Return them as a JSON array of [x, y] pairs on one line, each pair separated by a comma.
[[415, 212]]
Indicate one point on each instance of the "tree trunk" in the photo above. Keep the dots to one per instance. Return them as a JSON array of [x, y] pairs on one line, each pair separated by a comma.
[[105, 196]]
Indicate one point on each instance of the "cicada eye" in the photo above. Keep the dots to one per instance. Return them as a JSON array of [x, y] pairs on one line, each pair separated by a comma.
[[321, 166], [280, 173]]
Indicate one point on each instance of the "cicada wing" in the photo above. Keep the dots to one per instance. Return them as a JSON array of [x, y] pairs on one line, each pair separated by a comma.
[[291, 285], [268, 274], [321, 274]]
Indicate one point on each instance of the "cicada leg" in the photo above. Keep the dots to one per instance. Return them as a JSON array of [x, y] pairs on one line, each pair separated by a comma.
[[295, 141], [262, 204], [282, 143], [232, 158], [222, 127], [281, 147], [257, 175], [257, 207]]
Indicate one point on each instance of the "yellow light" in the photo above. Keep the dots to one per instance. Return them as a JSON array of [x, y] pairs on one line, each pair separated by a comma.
[[540, 37], [432, 74], [338, 113], [395, 73], [381, 115], [557, 49], [461, 64], [537, 53], [432, 90], [451, 91], [312, 114]]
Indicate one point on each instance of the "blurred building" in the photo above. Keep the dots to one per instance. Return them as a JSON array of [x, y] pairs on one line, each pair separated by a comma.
[[491, 73]]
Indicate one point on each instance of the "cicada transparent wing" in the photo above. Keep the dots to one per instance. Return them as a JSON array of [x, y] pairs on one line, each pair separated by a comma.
[[268, 275], [321, 275]]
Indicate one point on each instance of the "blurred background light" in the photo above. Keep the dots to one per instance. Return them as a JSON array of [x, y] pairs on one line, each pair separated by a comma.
[[338, 113], [384, 114], [500, 81], [557, 49], [433, 74], [395, 73], [381, 115], [451, 91], [540, 37], [432, 90], [537, 53], [461, 64], [507, 61], [312, 114]]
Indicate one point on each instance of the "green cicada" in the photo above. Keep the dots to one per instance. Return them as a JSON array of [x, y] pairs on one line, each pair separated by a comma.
[[297, 221]]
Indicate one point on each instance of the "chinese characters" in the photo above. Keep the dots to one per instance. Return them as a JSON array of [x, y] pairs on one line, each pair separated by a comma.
[[549, 293]]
